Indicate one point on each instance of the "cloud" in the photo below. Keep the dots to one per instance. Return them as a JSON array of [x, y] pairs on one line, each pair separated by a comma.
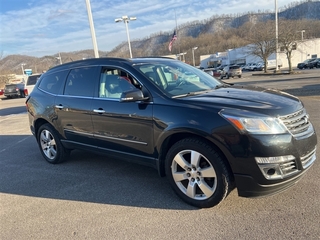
[[47, 27]]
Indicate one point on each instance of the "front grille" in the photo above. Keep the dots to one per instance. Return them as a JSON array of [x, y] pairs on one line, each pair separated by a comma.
[[297, 123], [288, 168], [308, 159]]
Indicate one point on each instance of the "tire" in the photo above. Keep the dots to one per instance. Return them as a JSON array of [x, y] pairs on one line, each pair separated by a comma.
[[239, 76], [22, 94], [50, 145], [197, 173]]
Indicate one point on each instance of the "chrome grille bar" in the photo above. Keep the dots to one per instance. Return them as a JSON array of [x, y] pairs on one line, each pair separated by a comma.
[[297, 123], [308, 159]]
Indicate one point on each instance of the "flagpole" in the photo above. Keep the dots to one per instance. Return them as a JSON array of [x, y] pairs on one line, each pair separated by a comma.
[[175, 15]]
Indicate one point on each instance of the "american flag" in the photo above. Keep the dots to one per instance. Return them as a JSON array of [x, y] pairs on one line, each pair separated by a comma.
[[174, 37]]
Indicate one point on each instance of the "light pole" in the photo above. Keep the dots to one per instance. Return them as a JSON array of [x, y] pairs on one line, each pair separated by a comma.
[[22, 64], [302, 31], [93, 34], [276, 16], [181, 54], [302, 48], [59, 58], [194, 48], [126, 20]]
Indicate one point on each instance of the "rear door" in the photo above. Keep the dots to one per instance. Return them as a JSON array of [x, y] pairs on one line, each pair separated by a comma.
[[73, 108]]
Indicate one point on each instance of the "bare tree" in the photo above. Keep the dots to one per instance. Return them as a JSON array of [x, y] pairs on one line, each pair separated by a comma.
[[262, 38], [287, 38]]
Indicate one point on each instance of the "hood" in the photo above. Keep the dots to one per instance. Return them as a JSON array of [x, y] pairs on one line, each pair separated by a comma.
[[265, 101]]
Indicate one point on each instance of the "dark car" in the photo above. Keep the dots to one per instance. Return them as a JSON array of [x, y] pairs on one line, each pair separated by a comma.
[[304, 64], [314, 63], [206, 136], [14, 90]]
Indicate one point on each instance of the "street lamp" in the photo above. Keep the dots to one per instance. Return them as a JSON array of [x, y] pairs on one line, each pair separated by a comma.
[[93, 33], [276, 16], [126, 19], [182, 54], [22, 64], [59, 58], [194, 48], [302, 31]]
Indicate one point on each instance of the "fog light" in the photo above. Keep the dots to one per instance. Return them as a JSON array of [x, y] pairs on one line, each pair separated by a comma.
[[277, 167], [271, 171]]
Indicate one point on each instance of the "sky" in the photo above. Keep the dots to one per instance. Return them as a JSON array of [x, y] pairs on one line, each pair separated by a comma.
[[47, 27]]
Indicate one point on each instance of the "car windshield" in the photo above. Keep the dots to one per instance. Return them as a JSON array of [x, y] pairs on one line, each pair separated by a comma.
[[177, 79], [234, 67]]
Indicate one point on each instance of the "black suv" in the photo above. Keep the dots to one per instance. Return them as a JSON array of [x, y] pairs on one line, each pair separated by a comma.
[[305, 63], [314, 63], [206, 136]]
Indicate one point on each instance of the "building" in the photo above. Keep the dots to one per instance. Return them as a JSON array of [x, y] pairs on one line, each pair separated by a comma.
[[305, 49]]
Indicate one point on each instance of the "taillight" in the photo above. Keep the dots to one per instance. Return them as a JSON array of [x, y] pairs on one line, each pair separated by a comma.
[[26, 92]]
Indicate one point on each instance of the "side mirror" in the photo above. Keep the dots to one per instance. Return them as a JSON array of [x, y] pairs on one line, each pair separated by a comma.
[[132, 95]]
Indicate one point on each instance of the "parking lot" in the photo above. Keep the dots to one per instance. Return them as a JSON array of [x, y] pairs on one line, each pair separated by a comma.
[[93, 197]]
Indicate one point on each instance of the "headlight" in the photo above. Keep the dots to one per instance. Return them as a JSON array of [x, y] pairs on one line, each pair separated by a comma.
[[255, 124]]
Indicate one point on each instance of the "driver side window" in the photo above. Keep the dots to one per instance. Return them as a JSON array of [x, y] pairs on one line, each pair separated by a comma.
[[113, 82]]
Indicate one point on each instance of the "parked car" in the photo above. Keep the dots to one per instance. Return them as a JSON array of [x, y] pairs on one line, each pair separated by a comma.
[[313, 64], [206, 136], [253, 67], [304, 64], [14, 90], [31, 82], [231, 71], [247, 67], [259, 67], [213, 72]]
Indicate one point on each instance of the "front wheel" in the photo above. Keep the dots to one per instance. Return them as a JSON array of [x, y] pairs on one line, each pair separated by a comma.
[[197, 173], [50, 145]]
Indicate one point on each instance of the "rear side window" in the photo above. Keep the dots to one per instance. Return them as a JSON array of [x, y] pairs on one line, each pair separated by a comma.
[[33, 79], [52, 82], [81, 82]]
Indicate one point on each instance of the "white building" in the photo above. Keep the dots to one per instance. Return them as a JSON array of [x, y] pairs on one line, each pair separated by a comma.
[[305, 49]]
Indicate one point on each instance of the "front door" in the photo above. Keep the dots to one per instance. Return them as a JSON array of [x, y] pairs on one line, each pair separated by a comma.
[[122, 128]]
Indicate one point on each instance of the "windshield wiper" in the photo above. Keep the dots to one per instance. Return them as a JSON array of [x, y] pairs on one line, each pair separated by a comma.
[[222, 85], [192, 93]]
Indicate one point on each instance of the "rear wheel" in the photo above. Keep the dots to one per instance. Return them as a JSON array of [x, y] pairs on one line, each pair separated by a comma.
[[197, 173], [50, 145], [22, 94]]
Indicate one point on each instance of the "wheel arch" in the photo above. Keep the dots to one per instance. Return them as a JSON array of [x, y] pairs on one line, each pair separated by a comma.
[[172, 139], [39, 122]]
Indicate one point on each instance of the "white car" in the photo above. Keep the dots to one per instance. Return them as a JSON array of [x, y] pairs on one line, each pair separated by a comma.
[[31, 81]]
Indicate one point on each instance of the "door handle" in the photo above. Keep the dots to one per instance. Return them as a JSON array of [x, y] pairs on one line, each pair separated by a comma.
[[100, 110], [59, 106]]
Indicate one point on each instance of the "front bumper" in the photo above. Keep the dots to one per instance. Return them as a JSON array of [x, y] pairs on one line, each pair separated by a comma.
[[249, 178], [247, 186]]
